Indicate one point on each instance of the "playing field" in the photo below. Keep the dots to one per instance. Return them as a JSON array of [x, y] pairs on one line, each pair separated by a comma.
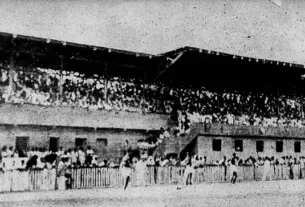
[[272, 193]]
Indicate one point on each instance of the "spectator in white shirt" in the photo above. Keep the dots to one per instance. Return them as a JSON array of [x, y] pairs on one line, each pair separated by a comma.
[[4, 153], [267, 169]]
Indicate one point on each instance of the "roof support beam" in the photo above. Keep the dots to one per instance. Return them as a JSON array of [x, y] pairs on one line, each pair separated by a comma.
[[12, 66], [106, 83], [61, 79]]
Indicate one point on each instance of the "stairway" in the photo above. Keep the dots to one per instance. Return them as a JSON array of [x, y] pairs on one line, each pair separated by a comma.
[[175, 144]]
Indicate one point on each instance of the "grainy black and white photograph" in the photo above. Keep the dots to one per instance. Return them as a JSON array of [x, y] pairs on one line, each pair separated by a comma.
[[165, 103]]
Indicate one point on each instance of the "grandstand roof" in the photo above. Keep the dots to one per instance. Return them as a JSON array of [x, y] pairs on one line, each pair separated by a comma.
[[197, 65], [185, 65], [47, 53]]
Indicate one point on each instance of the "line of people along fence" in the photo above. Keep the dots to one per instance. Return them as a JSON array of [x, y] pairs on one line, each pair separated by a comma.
[[84, 178]]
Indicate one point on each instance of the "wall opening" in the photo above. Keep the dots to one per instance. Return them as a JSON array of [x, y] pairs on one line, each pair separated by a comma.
[[297, 147], [80, 142], [260, 146], [279, 146], [216, 144], [53, 144], [102, 142], [238, 145], [22, 143]]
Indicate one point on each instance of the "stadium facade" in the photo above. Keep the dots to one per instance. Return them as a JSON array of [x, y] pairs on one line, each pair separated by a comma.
[[26, 125]]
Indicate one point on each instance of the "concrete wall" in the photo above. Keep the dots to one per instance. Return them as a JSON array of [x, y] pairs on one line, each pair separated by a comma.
[[249, 147], [239, 130], [39, 123], [236, 132], [18, 114]]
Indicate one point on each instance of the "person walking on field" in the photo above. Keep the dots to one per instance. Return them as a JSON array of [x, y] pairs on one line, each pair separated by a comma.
[[125, 168], [267, 169], [233, 170], [189, 171]]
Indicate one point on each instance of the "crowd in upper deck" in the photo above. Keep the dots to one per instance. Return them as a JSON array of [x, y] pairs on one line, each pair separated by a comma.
[[42, 87]]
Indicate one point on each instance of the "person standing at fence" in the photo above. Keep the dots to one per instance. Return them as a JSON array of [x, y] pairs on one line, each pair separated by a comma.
[[68, 174], [4, 152], [126, 147], [223, 162], [125, 168], [296, 165], [189, 171], [60, 152], [302, 168], [267, 170], [89, 155], [61, 179], [290, 167], [50, 160], [81, 156], [74, 157], [233, 170], [201, 170], [10, 151]]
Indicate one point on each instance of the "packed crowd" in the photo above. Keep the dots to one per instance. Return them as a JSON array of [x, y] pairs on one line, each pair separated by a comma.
[[202, 161], [294, 166], [42, 87], [41, 158], [65, 160]]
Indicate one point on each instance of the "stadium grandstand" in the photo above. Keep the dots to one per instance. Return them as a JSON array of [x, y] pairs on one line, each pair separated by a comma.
[[60, 94]]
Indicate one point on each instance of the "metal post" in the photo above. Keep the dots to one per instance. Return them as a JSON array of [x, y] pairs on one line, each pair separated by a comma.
[[278, 104], [301, 102], [144, 86], [12, 68], [61, 79], [106, 83], [11, 72]]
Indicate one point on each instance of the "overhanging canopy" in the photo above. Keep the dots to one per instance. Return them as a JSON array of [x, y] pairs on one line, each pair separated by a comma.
[[184, 66]]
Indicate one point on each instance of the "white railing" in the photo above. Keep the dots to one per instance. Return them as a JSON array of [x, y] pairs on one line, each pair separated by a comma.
[[45, 179]]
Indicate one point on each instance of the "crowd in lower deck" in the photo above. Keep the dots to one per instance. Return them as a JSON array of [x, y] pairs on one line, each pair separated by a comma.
[[79, 157]]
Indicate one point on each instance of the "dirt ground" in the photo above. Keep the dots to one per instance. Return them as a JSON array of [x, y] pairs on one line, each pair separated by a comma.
[[270, 193]]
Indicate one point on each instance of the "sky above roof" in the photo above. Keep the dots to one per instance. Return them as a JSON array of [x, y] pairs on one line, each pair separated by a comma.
[[254, 28]]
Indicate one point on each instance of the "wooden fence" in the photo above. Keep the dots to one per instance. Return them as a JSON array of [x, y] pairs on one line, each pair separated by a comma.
[[82, 178], [27, 180]]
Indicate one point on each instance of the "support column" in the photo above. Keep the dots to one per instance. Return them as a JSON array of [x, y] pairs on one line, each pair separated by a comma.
[[301, 102], [61, 79], [144, 85], [278, 104], [11, 72], [105, 83]]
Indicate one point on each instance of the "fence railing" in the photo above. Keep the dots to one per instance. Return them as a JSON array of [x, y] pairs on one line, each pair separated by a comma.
[[27, 180], [81, 178]]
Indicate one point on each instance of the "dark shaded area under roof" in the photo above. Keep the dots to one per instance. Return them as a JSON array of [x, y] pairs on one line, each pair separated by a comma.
[[184, 66], [44, 53], [202, 67]]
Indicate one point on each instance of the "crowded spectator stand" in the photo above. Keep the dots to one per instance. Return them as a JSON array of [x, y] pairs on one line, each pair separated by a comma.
[[169, 83], [155, 83]]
